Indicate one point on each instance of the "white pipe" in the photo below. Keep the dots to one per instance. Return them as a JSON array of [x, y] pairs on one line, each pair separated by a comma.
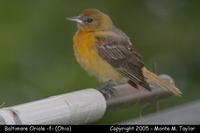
[[79, 107], [72, 108]]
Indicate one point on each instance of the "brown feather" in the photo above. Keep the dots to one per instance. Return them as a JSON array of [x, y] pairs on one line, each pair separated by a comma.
[[118, 51]]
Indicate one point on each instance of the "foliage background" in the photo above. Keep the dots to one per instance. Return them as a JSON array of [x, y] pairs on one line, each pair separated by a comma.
[[36, 55]]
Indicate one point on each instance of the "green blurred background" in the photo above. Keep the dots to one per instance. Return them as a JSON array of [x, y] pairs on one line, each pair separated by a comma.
[[37, 60]]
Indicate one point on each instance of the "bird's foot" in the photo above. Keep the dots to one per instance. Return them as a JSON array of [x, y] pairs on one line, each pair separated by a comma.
[[107, 89]]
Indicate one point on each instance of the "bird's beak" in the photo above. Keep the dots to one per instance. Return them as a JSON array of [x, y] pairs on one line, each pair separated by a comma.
[[76, 19]]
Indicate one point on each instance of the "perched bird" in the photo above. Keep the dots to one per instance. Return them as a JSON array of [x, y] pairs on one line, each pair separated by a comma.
[[106, 52]]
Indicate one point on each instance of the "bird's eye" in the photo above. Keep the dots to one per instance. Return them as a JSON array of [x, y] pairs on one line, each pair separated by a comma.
[[89, 20]]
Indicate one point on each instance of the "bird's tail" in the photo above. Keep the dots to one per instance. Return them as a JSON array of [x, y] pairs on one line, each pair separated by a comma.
[[161, 83]]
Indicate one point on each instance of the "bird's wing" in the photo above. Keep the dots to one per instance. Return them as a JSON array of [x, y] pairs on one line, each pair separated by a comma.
[[120, 54]]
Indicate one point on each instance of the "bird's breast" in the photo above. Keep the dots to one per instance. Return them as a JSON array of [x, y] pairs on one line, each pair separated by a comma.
[[88, 57]]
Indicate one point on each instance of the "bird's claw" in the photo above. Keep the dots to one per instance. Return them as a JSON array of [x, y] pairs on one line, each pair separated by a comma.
[[107, 89]]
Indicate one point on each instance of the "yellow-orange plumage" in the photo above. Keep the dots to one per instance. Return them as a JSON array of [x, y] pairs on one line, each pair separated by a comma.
[[107, 53], [86, 54]]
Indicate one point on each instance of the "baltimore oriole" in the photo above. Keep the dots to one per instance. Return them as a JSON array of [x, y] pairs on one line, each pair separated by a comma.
[[106, 52]]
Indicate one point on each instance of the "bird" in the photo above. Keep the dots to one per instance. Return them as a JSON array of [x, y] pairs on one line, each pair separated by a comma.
[[107, 53]]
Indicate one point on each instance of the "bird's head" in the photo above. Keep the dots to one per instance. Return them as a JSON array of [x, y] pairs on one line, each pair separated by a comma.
[[91, 20]]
